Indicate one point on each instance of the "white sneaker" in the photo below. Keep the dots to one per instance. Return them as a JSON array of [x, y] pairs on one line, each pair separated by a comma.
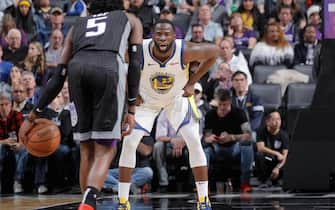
[[42, 189], [18, 187]]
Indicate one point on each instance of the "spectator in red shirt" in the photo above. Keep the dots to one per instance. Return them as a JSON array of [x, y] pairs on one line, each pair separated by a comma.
[[11, 151]]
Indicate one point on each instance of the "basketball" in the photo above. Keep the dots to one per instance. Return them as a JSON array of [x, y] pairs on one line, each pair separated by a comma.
[[43, 139]]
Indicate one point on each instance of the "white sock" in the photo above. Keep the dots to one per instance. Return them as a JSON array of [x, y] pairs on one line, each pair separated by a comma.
[[124, 191], [202, 188]]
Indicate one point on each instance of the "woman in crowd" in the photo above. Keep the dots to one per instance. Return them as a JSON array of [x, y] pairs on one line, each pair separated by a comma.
[[35, 63], [273, 49], [15, 75], [251, 16], [244, 38], [24, 19]]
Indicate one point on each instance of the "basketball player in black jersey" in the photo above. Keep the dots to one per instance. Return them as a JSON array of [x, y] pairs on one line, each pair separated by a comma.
[[93, 59]]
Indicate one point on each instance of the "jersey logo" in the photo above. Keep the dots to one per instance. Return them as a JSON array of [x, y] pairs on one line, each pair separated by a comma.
[[162, 82]]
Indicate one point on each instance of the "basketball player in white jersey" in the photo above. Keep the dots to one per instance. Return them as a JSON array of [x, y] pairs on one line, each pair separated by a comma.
[[165, 84]]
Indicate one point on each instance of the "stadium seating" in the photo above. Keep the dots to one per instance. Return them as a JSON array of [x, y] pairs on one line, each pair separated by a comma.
[[299, 97], [261, 72], [305, 69], [269, 93]]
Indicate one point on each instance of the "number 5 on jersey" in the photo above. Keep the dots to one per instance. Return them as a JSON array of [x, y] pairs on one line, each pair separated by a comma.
[[96, 26]]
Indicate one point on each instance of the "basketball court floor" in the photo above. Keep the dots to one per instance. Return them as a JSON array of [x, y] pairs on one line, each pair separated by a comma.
[[259, 199]]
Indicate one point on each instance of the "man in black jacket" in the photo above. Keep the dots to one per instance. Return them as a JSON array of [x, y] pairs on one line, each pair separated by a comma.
[[304, 50]]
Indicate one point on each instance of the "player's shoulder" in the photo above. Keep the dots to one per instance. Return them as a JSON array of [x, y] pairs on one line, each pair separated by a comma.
[[131, 17]]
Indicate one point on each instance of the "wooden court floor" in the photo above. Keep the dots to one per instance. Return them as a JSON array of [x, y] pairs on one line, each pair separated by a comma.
[[26, 202]]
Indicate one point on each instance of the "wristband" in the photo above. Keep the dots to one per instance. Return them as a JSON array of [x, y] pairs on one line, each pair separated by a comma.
[[130, 112]]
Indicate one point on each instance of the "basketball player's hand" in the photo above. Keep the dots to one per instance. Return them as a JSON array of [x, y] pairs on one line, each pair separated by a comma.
[[128, 124], [24, 130], [27, 125], [188, 90]]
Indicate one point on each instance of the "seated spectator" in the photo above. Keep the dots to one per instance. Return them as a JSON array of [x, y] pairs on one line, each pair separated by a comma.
[[20, 103], [243, 38], [56, 22], [35, 63], [168, 144], [24, 19], [8, 23], [235, 62], [5, 68], [272, 146], [285, 18], [273, 49], [78, 8], [198, 37], [168, 15], [313, 18], [11, 150], [64, 158], [252, 17], [227, 134], [221, 78], [145, 13], [66, 94], [142, 173], [212, 31], [14, 75], [304, 51], [250, 103], [43, 171], [15, 52], [28, 81], [298, 13], [42, 15], [54, 50], [219, 13]]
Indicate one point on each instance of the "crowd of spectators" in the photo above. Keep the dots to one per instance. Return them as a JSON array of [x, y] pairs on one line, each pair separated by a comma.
[[235, 128]]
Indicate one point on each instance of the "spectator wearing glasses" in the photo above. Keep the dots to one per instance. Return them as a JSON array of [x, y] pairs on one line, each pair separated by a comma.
[[20, 102], [15, 51], [28, 81]]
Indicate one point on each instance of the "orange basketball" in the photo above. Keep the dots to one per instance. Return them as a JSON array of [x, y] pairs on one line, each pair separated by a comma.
[[43, 139]]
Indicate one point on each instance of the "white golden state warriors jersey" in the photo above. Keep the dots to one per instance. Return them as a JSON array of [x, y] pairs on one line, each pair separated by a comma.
[[162, 83]]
